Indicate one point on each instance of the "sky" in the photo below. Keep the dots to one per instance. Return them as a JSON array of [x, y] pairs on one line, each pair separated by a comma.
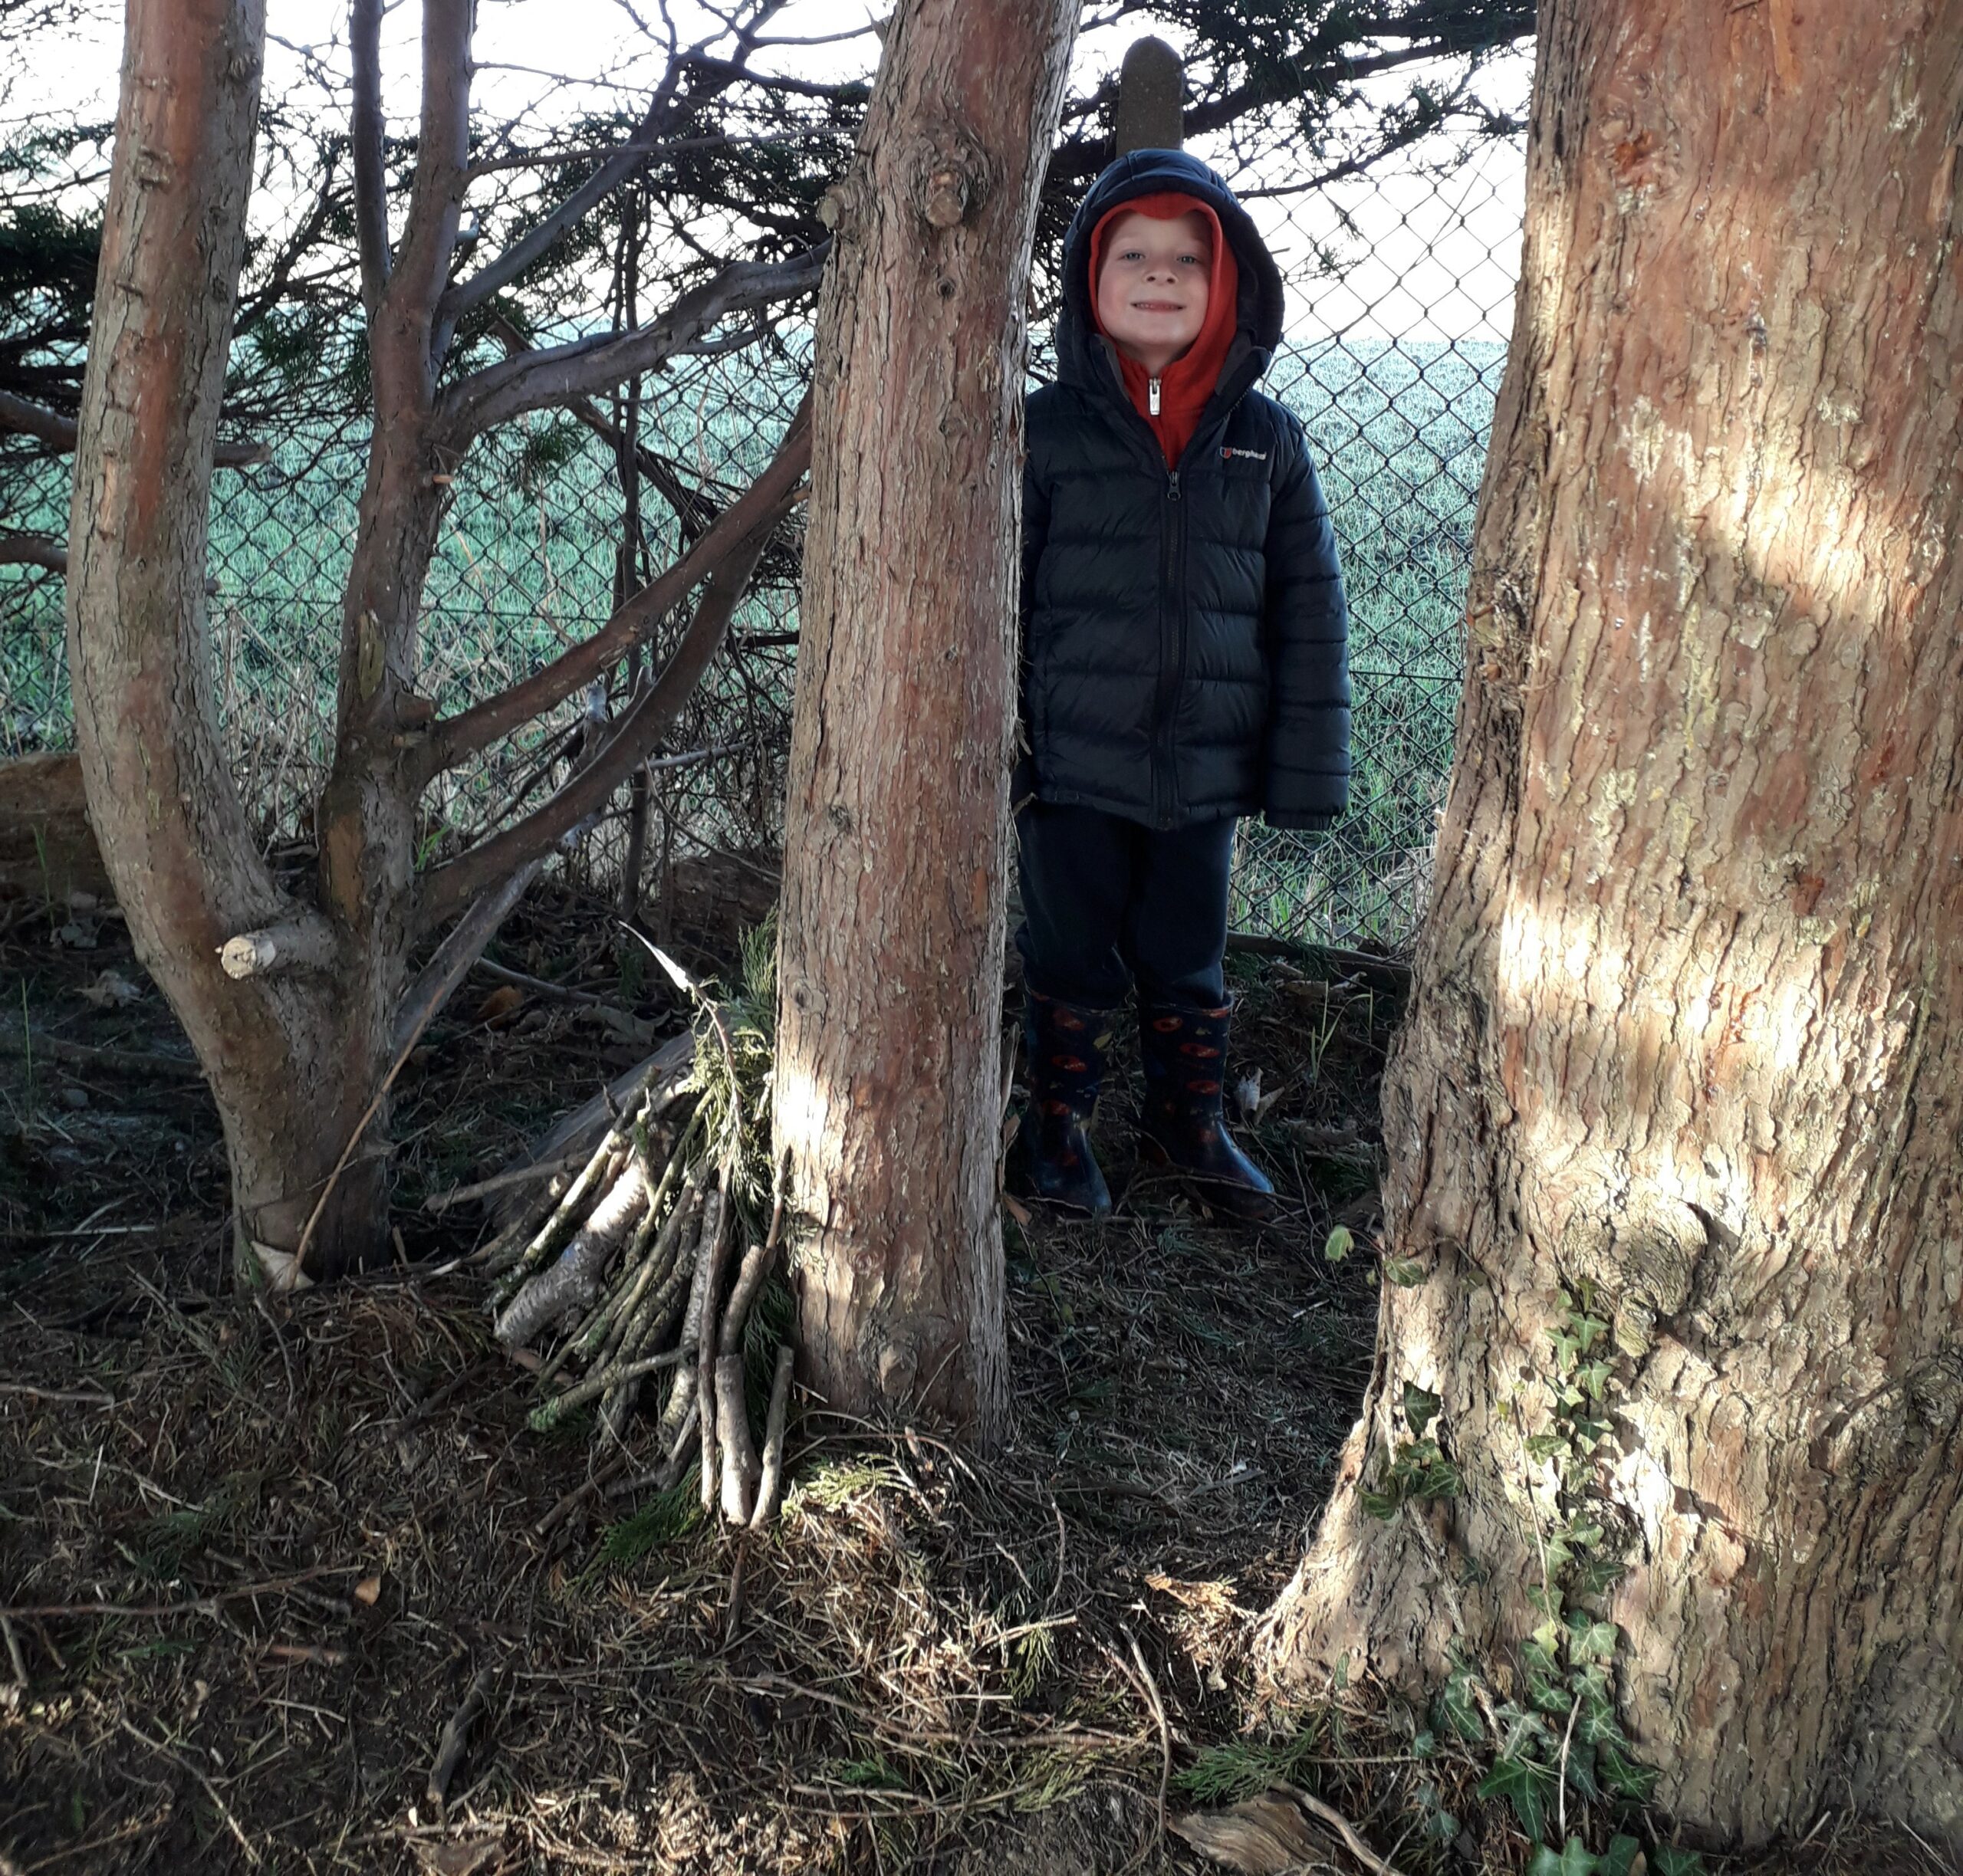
[[1426, 257]]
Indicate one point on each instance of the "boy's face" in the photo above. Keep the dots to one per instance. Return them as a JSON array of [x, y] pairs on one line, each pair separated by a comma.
[[1152, 285]]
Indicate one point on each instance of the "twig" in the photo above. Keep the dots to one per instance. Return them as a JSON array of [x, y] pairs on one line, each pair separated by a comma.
[[306, 1651], [449, 1747], [595, 1385], [740, 1470], [71, 1397], [1561, 1776], [756, 1267], [195, 1605], [524, 1175], [1158, 1713], [1342, 1828], [558, 993], [16, 1659], [587, 1488], [770, 1489], [279, 1343], [732, 1618], [83, 1055], [210, 1790]]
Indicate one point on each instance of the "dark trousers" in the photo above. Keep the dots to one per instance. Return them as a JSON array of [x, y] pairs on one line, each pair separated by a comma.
[[1107, 902]]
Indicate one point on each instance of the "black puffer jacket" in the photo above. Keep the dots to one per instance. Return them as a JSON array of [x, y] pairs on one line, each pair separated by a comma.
[[1185, 639]]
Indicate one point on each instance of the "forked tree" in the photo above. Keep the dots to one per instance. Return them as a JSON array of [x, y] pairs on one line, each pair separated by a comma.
[[888, 1096], [301, 1009], [1672, 1228]]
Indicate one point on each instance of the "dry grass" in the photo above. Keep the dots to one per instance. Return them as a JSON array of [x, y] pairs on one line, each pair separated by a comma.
[[321, 1520]]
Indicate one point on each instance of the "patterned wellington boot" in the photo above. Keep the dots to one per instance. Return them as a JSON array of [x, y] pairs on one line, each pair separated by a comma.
[[1184, 1053], [1066, 1046]]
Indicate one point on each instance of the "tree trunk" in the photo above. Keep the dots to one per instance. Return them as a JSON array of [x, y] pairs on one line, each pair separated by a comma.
[[1686, 1048], [184, 863], [888, 1088]]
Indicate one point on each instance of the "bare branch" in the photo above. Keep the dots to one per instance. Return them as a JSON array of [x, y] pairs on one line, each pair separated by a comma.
[[620, 168], [558, 374], [455, 956], [34, 550], [22, 417], [752, 515], [371, 206], [694, 510], [585, 794], [300, 242]]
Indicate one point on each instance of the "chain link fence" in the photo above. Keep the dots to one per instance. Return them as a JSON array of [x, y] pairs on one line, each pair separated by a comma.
[[1401, 283]]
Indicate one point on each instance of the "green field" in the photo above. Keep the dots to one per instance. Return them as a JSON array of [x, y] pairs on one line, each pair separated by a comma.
[[525, 566]]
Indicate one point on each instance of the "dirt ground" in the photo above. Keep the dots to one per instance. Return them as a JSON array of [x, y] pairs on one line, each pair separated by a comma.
[[260, 1554]]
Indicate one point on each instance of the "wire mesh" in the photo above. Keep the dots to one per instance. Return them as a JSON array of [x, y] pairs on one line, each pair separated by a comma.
[[1401, 281]]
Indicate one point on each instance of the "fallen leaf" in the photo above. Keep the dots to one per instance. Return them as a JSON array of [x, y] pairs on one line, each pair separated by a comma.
[[110, 991], [1247, 1096], [1264, 1837], [281, 1268], [368, 1592], [463, 1858], [503, 1002], [1016, 1209]]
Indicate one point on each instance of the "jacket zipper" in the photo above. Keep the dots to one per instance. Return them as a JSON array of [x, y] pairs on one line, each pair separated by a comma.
[[1151, 394], [1171, 649]]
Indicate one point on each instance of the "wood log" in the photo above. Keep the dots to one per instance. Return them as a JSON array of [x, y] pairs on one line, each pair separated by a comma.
[[48, 849]]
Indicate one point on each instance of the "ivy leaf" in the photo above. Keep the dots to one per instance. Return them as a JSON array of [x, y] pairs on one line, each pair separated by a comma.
[[1619, 1857], [1339, 1243], [1627, 1778], [1596, 1574], [1582, 1534], [1543, 1671], [1575, 1858], [1457, 1708], [1405, 1272], [1424, 1744], [1677, 1862], [1420, 1408], [1527, 1787], [1591, 1641], [1546, 1445], [1381, 1505]]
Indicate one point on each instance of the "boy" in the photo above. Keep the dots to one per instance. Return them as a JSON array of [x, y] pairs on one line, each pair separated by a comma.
[[1185, 662]]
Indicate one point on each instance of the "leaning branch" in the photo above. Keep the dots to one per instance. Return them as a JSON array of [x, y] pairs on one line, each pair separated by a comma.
[[558, 374], [694, 510], [620, 168], [20, 416], [586, 794], [748, 518], [34, 550]]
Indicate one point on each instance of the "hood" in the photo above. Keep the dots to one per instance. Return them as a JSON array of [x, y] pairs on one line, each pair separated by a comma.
[[1083, 357]]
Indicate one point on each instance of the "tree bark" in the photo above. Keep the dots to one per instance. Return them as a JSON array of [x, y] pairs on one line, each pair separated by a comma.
[[1687, 1031], [183, 862], [888, 1090]]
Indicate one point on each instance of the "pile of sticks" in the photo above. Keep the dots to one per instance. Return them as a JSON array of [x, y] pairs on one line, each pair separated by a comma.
[[640, 1264]]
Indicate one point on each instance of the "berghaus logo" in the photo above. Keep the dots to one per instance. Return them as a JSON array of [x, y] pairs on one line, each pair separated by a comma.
[[1228, 452]]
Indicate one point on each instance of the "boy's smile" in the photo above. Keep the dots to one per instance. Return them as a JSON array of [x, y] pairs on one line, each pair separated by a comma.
[[1152, 286]]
